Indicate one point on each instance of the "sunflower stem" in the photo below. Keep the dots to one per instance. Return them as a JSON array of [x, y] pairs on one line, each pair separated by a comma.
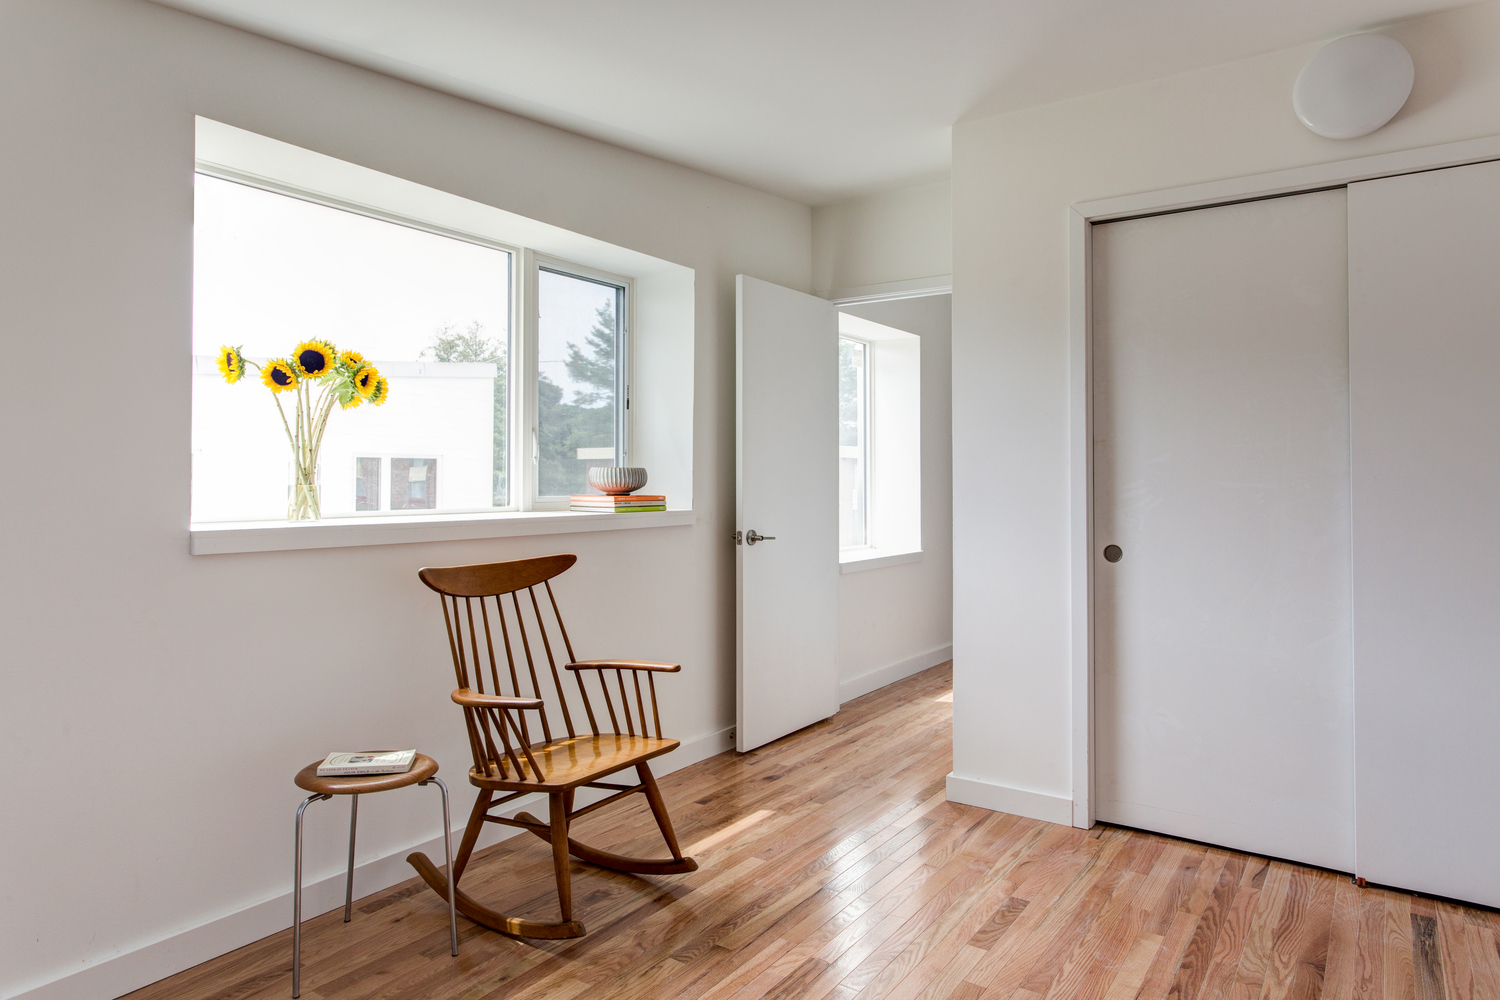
[[303, 489]]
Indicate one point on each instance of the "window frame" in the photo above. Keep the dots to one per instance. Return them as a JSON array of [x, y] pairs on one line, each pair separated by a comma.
[[894, 428], [535, 262], [522, 368], [867, 444]]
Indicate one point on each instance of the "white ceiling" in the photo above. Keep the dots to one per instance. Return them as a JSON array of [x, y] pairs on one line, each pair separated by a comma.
[[816, 100]]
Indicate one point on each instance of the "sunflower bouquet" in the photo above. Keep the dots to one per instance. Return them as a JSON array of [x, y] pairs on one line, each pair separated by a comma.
[[319, 376]]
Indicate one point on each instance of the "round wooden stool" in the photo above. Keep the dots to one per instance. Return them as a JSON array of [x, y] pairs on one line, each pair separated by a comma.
[[423, 770]]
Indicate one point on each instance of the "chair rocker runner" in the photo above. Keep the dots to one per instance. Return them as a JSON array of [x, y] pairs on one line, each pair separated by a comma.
[[483, 609]]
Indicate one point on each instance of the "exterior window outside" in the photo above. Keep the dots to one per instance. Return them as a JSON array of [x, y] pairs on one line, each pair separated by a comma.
[[580, 383], [414, 484], [432, 312], [853, 443], [367, 484]]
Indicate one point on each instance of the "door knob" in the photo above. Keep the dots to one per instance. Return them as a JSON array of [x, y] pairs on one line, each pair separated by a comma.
[[751, 537], [1113, 553]]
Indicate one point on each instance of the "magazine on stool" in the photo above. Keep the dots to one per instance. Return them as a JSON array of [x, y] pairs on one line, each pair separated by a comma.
[[348, 763]]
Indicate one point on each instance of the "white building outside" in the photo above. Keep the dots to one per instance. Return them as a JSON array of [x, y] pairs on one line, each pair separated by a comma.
[[432, 444]]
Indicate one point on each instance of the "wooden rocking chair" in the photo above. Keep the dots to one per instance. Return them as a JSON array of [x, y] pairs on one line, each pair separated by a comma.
[[509, 760]]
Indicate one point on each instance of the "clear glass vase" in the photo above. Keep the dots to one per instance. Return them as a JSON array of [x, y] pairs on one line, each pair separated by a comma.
[[304, 496]]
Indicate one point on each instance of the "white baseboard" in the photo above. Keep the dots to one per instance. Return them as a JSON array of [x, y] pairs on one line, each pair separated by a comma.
[[1016, 801], [856, 687], [120, 974]]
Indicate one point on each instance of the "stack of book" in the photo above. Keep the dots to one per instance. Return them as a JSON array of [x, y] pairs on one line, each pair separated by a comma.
[[347, 763], [604, 503]]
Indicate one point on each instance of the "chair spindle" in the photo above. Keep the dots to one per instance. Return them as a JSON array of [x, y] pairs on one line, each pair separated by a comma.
[[624, 703], [541, 627], [536, 688], [583, 692], [651, 681]]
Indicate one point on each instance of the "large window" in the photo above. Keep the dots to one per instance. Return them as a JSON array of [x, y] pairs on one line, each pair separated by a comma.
[[439, 314]]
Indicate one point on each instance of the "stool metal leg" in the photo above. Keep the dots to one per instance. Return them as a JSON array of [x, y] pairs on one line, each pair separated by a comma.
[[349, 885], [297, 900], [448, 858]]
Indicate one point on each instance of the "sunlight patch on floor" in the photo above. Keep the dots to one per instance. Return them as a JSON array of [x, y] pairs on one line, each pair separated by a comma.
[[715, 839]]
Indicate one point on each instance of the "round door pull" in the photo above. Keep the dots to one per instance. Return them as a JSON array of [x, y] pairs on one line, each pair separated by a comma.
[[1112, 553]]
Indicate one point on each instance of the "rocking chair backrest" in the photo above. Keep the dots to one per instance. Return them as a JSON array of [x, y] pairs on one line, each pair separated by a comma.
[[486, 608]]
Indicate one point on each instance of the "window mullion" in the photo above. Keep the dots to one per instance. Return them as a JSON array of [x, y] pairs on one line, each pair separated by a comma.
[[623, 387], [524, 465]]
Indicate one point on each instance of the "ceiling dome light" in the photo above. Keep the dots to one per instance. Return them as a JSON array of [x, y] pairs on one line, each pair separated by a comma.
[[1353, 86]]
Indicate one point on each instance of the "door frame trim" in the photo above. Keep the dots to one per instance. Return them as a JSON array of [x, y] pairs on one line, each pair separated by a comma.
[[1082, 216]]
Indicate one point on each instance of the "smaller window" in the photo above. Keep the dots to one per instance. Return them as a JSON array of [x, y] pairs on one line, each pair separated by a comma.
[[581, 392], [413, 483], [880, 435], [367, 484], [853, 443]]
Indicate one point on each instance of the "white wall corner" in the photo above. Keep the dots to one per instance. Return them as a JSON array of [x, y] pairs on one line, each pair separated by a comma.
[[116, 976], [883, 238], [1016, 801], [856, 687]]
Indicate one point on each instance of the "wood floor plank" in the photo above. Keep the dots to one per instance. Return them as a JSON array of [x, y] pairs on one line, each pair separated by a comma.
[[1427, 957], [1369, 976], [1128, 981], [1399, 980], [1343, 940], [1163, 969], [1274, 881], [1485, 962], [832, 867], [1223, 964]]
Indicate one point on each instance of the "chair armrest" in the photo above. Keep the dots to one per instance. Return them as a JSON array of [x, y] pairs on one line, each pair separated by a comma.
[[473, 699], [667, 668]]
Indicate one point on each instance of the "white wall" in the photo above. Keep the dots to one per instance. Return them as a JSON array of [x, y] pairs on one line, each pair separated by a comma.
[[890, 237], [1014, 177], [896, 620], [127, 660]]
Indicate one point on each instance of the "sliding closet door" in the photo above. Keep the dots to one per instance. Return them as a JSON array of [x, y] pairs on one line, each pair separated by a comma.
[[1222, 674], [1424, 330]]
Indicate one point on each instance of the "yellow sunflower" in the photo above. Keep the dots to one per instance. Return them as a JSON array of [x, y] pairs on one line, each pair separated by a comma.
[[381, 392], [231, 364], [364, 381], [278, 376], [313, 358], [348, 404], [352, 359]]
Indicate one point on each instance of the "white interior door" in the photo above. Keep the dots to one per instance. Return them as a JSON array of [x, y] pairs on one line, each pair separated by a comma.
[[787, 476], [1222, 650], [1424, 341]]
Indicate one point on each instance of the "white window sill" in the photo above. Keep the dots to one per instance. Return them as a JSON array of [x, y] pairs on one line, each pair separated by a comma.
[[859, 560], [278, 536]]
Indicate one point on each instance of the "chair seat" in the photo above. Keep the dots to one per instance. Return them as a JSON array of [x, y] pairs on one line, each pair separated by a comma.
[[422, 768], [570, 762]]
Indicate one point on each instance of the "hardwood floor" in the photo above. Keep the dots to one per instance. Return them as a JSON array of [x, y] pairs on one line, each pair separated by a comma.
[[832, 867]]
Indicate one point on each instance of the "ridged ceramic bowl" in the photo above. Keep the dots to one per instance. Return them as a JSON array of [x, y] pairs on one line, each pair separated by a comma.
[[616, 481]]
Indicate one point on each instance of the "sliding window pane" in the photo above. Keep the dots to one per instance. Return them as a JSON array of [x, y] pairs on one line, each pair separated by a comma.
[[578, 380], [430, 312], [853, 443]]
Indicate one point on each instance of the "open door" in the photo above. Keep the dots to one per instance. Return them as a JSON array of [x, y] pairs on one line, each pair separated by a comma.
[[787, 542]]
